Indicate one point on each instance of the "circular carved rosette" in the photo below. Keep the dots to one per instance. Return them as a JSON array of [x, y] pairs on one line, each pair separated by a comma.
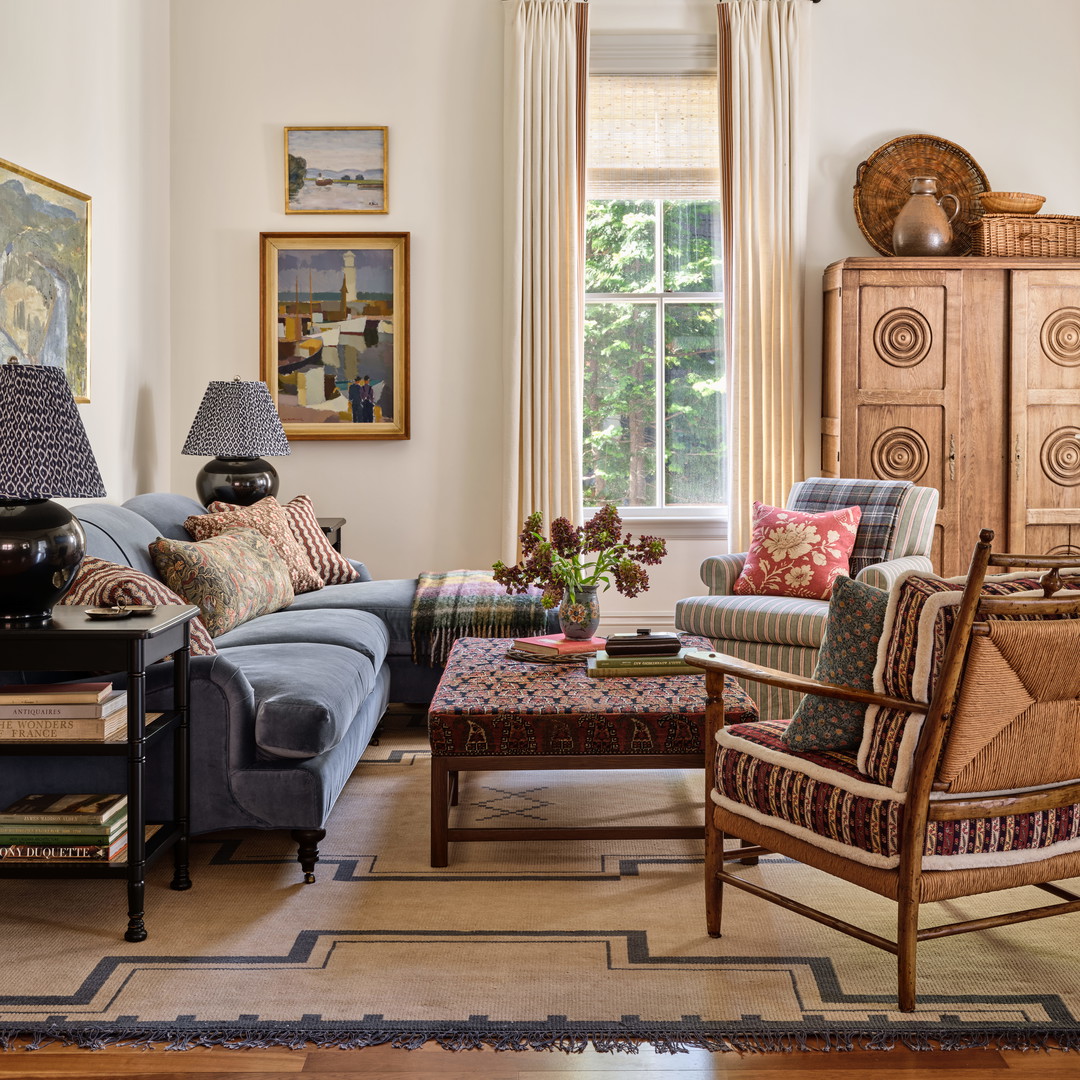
[[1060, 456], [899, 454], [1060, 337], [903, 337], [1064, 549]]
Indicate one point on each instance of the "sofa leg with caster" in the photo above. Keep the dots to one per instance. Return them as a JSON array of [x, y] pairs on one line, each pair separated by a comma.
[[307, 854]]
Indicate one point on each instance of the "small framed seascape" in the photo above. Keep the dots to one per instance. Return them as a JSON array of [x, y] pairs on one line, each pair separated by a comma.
[[335, 333], [45, 274], [336, 170]]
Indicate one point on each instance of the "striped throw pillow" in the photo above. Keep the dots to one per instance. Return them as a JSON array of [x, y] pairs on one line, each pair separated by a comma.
[[330, 565], [100, 583]]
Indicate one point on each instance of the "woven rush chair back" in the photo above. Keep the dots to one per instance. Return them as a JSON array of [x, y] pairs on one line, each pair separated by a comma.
[[1005, 713]]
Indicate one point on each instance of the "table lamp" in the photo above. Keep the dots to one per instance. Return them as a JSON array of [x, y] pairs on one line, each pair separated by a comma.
[[237, 421], [44, 453]]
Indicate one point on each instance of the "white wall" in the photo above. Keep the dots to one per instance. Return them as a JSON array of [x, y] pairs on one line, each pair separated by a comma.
[[431, 71], [87, 105], [90, 107]]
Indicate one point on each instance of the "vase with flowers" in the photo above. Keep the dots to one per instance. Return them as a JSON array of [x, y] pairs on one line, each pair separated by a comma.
[[574, 561]]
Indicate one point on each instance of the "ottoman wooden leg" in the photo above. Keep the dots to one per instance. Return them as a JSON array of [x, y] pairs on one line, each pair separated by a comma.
[[440, 811]]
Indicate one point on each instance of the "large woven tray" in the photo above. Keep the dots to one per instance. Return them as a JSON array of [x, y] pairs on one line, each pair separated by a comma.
[[883, 185]]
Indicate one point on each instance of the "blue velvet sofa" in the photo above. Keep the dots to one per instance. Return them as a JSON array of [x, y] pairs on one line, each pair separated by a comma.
[[279, 717]]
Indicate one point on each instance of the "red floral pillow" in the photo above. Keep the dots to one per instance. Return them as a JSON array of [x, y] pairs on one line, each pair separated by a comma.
[[797, 554]]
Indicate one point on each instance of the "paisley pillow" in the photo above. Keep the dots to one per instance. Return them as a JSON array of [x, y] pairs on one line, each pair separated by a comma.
[[268, 516], [793, 553], [100, 583], [330, 565], [231, 578]]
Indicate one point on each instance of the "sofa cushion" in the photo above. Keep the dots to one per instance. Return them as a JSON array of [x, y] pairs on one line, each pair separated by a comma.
[[99, 583], [306, 695], [166, 512], [358, 630], [231, 578], [852, 633], [391, 600], [330, 565], [117, 534], [269, 518], [781, 620], [797, 554]]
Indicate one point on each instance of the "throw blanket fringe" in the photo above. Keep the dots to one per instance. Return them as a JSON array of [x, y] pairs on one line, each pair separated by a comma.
[[468, 603]]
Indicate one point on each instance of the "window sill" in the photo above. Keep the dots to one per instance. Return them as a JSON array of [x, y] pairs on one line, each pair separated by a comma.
[[712, 527]]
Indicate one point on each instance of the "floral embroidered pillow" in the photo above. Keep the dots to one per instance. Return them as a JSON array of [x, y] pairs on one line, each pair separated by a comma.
[[793, 553], [268, 516]]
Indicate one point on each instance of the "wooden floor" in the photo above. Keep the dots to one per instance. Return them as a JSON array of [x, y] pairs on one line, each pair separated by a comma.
[[437, 1064]]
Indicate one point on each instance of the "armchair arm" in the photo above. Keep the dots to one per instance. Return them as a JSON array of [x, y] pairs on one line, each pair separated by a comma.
[[720, 571], [882, 575], [803, 684]]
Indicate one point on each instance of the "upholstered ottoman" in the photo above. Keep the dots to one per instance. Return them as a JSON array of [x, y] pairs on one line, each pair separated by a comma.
[[491, 712]]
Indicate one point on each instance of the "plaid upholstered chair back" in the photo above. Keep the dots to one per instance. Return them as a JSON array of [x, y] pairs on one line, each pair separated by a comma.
[[897, 517], [1016, 723]]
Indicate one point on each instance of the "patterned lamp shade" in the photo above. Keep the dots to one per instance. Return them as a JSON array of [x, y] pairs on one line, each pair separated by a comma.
[[44, 451], [237, 420]]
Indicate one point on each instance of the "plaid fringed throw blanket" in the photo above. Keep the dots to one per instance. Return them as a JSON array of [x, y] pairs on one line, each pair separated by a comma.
[[468, 603]]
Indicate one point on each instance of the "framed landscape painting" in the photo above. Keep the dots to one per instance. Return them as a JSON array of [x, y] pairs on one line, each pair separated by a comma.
[[336, 170], [44, 274], [335, 333]]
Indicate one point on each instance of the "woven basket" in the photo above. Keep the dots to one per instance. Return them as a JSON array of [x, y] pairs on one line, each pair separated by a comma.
[[1026, 234]]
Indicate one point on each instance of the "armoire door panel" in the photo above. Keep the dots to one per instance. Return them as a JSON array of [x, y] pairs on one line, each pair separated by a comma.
[[1044, 428], [902, 337]]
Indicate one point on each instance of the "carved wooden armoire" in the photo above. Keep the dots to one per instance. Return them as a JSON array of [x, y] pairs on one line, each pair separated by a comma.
[[961, 374]]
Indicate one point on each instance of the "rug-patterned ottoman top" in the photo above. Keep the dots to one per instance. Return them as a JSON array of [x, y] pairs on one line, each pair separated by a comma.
[[488, 704]]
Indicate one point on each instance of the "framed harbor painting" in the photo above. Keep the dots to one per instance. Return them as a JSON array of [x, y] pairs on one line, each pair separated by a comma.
[[336, 170], [44, 274], [335, 333]]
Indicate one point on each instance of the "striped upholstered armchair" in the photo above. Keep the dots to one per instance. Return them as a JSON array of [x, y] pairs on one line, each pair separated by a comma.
[[895, 535]]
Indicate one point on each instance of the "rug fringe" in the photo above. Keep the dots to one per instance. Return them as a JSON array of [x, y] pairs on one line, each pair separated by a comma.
[[344, 1038]]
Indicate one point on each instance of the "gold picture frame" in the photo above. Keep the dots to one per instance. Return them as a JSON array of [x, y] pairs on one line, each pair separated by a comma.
[[335, 332], [337, 170], [45, 277]]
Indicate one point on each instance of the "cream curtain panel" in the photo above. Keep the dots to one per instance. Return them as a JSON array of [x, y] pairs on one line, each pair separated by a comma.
[[764, 177], [545, 71]]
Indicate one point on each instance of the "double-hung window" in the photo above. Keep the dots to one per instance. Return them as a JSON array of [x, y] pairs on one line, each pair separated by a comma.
[[654, 391]]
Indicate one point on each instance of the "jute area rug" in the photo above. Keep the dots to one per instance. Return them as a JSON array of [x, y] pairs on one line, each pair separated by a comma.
[[514, 945]]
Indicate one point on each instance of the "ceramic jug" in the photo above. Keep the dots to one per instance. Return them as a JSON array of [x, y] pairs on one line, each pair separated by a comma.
[[922, 226]]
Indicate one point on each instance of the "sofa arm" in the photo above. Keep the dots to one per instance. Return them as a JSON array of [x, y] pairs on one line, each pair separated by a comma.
[[882, 575], [361, 569], [720, 571]]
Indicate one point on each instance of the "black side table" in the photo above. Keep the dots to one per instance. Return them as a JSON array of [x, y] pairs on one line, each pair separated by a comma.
[[331, 526], [72, 643]]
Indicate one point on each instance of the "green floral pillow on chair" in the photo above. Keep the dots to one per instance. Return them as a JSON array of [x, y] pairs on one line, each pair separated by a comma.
[[848, 655]]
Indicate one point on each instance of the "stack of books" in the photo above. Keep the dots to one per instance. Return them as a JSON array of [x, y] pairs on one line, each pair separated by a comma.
[[554, 648], [64, 828], [641, 654], [50, 712]]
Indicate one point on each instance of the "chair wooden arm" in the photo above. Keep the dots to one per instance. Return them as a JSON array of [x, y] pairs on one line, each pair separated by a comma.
[[802, 684]]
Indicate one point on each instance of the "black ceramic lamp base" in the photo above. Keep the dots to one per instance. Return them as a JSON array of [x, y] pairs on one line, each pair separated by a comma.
[[41, 547], [240, 481]]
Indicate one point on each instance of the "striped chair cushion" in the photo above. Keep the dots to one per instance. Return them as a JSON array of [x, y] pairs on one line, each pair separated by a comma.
[[783, 620], [822, 798], [99, 583]]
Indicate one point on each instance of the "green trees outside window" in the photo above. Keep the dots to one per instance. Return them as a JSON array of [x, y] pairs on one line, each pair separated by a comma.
[[654, 354]]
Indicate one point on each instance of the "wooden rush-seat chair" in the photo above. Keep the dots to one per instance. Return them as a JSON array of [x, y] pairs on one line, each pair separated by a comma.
[[967, 779]]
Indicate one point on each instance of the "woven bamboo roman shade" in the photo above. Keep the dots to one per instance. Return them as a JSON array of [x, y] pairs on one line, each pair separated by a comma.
[[653, 136]]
